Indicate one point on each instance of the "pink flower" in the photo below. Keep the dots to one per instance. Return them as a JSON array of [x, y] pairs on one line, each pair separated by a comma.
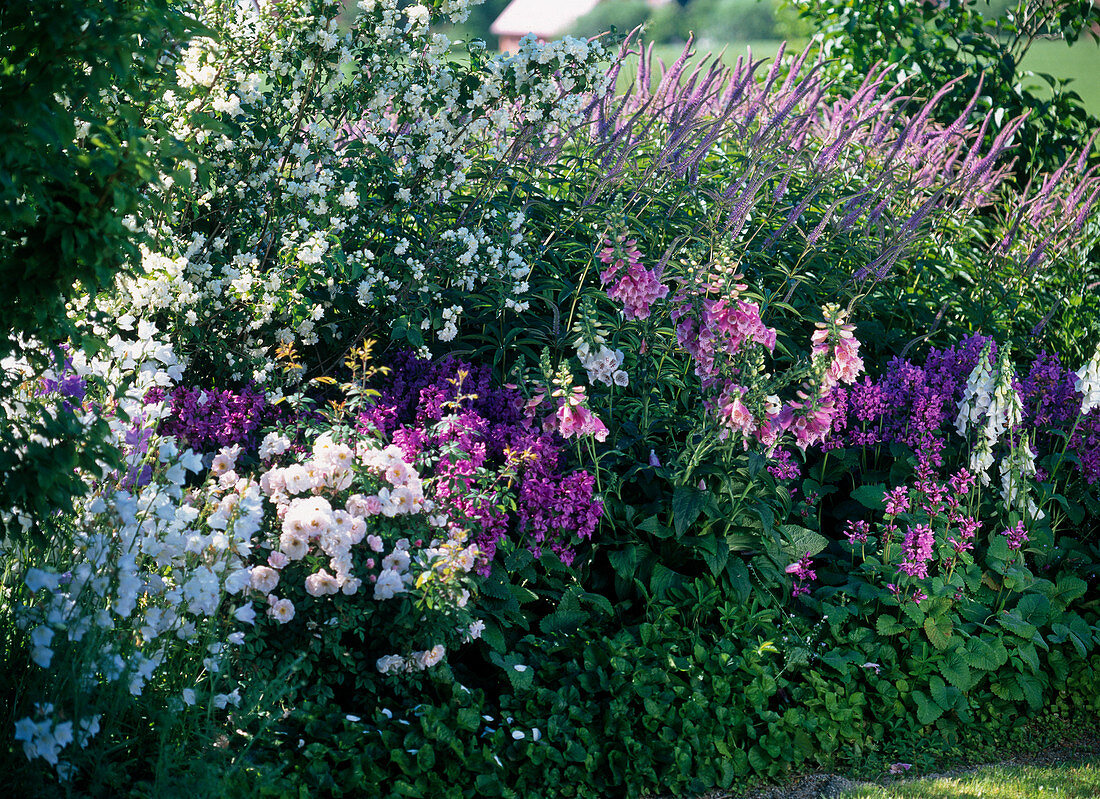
[[733, 413], [836, 341], [630, 283], [810, 422], [575, 419]]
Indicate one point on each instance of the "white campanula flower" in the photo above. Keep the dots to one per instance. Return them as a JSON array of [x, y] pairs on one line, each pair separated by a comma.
[[37, 579]]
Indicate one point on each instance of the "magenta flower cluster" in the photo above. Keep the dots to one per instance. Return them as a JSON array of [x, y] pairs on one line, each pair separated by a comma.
[[453, 406], [206, 420]]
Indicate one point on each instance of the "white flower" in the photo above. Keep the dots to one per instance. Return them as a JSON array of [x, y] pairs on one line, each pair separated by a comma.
[[388, 664], [429, 657], [264, 579], [37, 579], [388, 585], [398, 561], [282, 611], [321, 583], [189, 696], [1088, 383]]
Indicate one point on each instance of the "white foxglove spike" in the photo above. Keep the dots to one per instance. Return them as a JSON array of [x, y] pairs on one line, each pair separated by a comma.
[[1088, 382]]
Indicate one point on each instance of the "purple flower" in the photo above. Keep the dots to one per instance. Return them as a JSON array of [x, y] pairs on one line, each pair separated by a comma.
[[802, 573], [917, 550], [857, 531], [897, 500], [1016, 536]]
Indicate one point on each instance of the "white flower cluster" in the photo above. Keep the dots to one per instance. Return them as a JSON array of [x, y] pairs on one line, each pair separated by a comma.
[[603, 365], [310, 522], [46, 738], [151, 559], [295, 232], [992, 406]]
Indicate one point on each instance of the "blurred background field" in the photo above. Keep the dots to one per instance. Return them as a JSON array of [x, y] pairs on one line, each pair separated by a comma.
[[733, 26]]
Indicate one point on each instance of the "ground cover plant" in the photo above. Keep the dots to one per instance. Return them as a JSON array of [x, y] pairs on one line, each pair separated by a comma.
[[460, 424]]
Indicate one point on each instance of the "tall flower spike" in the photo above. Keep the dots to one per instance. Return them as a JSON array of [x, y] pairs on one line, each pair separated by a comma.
[[1088, 382], [978, 393]]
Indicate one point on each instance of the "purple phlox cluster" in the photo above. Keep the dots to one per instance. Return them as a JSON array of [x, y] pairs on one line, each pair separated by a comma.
[[916, 406], [64, 381], [910, 404], [1050, 399], [206, 420], [1016, 535], [856, 531], [627, 280], [916, 550], [803, 573], [485, 434]]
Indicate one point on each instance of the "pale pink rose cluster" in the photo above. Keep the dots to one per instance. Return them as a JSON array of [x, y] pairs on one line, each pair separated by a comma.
[[416, 661], [407, 492]]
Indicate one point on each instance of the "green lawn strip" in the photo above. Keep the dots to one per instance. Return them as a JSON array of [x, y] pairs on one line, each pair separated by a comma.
[[1061, 781]]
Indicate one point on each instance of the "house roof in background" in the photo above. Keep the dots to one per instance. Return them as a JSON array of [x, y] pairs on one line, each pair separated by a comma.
[[544, 18]]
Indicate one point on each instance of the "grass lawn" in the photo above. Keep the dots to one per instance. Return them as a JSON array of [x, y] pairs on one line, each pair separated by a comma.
[[1081, 63], [1068, 781]]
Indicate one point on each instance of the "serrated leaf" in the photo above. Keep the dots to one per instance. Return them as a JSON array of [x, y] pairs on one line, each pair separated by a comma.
[[940, 695], [939, 630], [957, 672], [914, 612], [927, 710], [1032, 690], [888, 625], [687, 504], [800, 541]]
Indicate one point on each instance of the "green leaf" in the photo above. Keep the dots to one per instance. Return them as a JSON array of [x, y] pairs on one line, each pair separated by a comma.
[[939, 630], [957, 672], [870, 496], [888, 625], [687, 504], [1032, 690], [927, 710], [799, 541]]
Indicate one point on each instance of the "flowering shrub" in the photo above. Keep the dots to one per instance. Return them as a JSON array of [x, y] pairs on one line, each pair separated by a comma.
[[289, 239]]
